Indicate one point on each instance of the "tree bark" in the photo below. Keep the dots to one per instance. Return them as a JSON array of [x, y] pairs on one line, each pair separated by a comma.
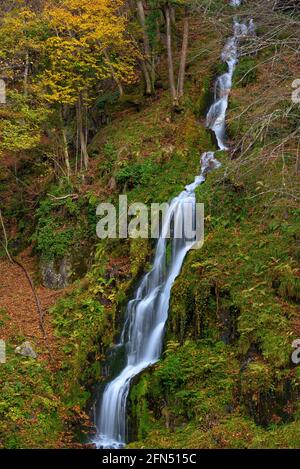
[[170, 56], [26, 73], [182, 67], [142, 18], [147, 77], [65, 145], [82, 136], [148, 66], [173, 15]]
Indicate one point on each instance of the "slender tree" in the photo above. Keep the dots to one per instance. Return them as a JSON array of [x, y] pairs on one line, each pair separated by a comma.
[[177, 91], [183, 58], [146, 60]]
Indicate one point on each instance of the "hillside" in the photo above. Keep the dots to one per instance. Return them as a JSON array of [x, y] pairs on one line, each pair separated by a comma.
[[225, 378]]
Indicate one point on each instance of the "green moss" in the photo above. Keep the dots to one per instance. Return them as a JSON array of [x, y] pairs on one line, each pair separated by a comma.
[[202, 102], [64, 225], [139, 407], [38, 425], [289, 286], [226, 358], [245, 72], [226, 292]]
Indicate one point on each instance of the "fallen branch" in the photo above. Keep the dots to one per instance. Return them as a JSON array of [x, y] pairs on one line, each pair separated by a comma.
[[73, 196]]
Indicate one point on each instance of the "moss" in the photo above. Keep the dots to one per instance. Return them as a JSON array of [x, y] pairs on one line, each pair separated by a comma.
[[226, 293], [289, 287], [139, 254], [173, 394], [245, 72], [139, 408], [63, 223], [38, 425], [201, 104], [224, 380]]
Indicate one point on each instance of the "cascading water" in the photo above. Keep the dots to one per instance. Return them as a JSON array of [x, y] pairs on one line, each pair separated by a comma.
[[147, 312]]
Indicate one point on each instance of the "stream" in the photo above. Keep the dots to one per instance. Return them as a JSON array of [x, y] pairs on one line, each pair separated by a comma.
[[147, 313]]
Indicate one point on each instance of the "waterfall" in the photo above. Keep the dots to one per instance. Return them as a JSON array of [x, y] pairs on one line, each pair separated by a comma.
[[147, 312]]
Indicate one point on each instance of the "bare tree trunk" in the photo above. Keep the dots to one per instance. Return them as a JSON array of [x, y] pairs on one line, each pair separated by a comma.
[[182, 67], [173, 15], [82, 136], [65, 145], [148, 66], [113, 74], [26, 73], [142, 18], [170, 56], [147, 77]]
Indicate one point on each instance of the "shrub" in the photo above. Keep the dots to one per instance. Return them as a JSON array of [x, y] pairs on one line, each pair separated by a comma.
[[136, 174]]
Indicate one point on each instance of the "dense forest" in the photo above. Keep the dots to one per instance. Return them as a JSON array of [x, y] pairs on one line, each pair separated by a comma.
[[106, 98]]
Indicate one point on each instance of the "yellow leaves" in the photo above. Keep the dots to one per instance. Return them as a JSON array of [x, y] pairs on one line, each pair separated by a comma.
[[87, 44], [96, 21], [16, 31]]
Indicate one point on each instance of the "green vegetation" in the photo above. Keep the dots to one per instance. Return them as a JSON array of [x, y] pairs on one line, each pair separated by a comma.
[[52, 237], [225, 379], [226, 292], [245, 72]]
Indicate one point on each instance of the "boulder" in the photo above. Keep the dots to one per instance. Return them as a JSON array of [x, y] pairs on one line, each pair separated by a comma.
[[26, 350], [56, 275]]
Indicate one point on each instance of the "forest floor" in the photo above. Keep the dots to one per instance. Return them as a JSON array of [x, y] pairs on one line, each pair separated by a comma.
[[28, 390], [18, 301]]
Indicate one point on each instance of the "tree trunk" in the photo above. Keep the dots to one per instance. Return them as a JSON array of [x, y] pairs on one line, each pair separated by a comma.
[[66, 152], [173, 15], [113, 74], [170, 56], [182, 67], [82, 135], [142, 18], [26, 73], [147, 77], [148, 66], [65, 146]]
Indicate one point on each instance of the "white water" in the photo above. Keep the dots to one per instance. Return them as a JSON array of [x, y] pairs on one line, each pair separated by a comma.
[[147, 312]]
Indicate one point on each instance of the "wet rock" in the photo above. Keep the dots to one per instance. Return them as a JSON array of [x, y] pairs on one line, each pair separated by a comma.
[[26, 350], [56, 275], [276, 404], [228, 318]]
